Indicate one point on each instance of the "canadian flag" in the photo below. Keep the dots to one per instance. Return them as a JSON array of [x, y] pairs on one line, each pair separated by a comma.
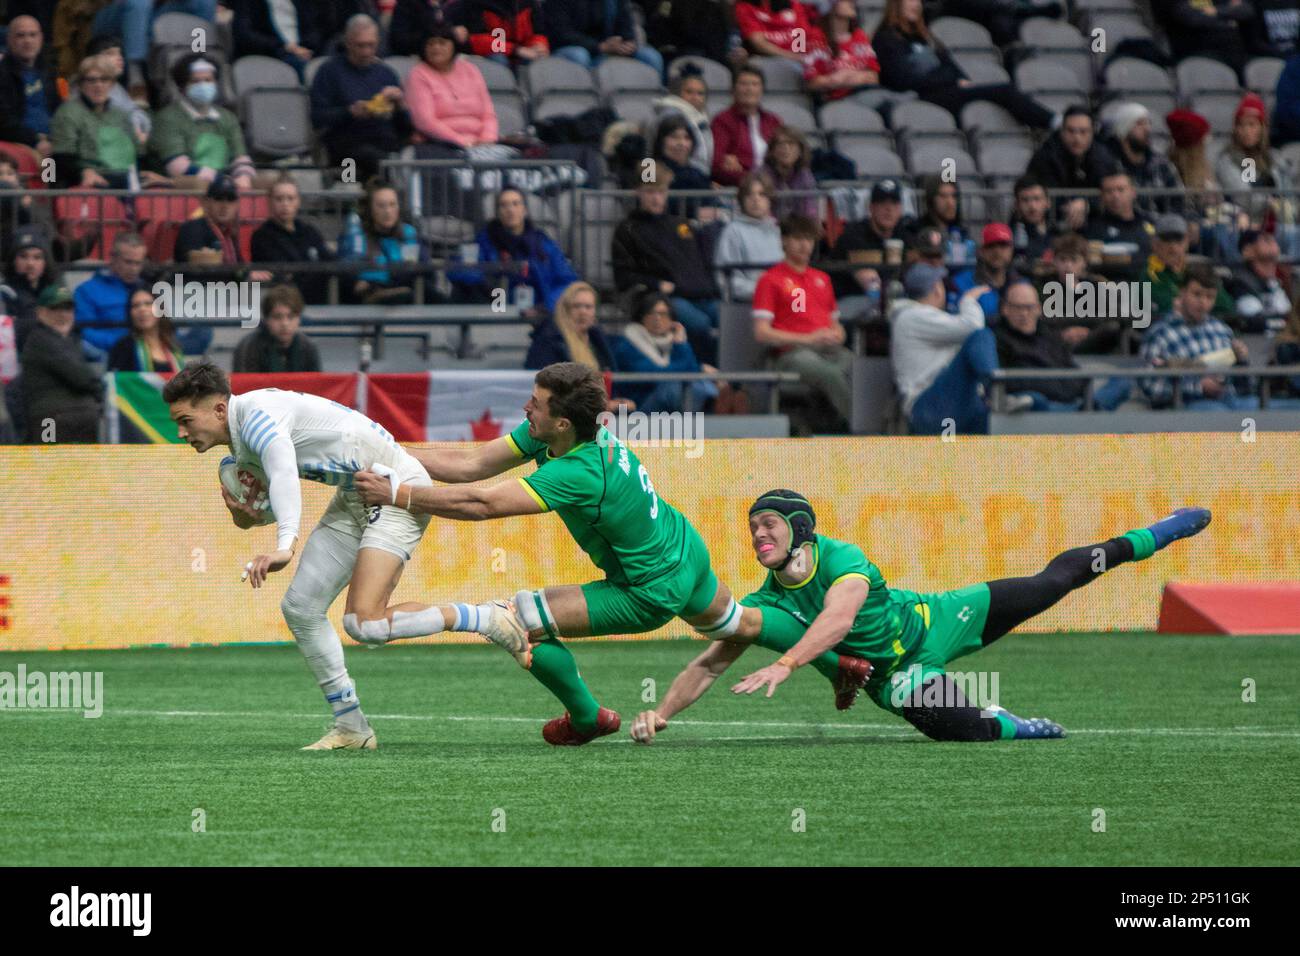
[[457, 405]]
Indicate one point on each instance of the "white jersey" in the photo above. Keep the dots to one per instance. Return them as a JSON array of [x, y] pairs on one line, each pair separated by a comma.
[[291, 435]]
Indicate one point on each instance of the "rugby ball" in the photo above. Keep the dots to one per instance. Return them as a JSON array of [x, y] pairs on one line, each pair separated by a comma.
[[247, 484]]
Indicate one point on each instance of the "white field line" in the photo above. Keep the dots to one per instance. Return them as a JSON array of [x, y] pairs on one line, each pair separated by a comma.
[[1243, 731]]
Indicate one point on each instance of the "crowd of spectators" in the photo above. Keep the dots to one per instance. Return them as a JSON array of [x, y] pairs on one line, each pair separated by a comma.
[[952, 294]]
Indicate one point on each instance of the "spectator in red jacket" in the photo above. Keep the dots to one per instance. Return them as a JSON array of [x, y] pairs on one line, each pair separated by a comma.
[[840, 58], [741, 132], [775, 28], [509, 31]]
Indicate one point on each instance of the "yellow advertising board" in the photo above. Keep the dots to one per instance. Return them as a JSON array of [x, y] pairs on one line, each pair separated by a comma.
[[112, 546]]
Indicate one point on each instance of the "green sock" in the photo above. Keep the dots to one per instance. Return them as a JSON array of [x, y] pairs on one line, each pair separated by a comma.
[[555, 667], [827, 664], [1006, 726], [1143, 541]]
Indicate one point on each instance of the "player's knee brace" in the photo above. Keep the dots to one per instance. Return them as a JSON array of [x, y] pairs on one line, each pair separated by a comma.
[[377, 631], [727, 623], [536, 614]]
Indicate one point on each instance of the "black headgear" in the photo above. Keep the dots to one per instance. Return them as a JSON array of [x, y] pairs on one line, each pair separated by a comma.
[[796, 511]]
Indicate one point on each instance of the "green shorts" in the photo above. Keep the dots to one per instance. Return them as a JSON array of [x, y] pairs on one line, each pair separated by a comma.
[[684, 590], [954, 627]]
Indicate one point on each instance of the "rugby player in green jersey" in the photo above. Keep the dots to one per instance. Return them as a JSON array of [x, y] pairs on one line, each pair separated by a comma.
[[822, 594], [656, 565]]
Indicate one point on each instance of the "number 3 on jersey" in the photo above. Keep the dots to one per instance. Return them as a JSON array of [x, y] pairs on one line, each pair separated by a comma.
[[650, 490]]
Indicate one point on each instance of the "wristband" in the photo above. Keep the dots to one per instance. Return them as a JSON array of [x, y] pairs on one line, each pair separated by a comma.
[[787, 661]]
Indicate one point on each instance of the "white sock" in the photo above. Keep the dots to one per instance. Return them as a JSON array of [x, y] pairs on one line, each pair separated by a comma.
[[417, 623], [470, 617]]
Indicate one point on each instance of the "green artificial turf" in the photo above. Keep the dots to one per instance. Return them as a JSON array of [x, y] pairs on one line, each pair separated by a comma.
[[1160, 740]]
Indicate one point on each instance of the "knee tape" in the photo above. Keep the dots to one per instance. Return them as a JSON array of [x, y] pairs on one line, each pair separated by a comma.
[[727, 624], [367, 632], [536, 614]]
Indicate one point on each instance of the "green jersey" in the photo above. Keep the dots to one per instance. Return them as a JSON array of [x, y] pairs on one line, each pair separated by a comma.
[[603, 494], [890, 623]]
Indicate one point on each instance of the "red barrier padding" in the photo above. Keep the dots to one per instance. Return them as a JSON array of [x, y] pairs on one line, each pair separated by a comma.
[[1272, 608]]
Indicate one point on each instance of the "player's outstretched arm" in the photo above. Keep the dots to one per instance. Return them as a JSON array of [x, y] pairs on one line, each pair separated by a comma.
[[459, 465], [688, 687], [843, 600], [458, 502]]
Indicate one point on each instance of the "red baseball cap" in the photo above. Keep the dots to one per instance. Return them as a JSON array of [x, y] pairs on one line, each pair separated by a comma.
[[996, 232]]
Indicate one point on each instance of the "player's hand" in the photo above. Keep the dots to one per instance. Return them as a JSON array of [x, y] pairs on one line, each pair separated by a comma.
[[769, 677], [255, 571], [374, 489], [238, 510], [646, 725]]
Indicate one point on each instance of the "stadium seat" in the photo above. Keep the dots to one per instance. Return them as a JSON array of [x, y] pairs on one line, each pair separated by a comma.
[[846, 116], [633, 107], [1129, 75], [871, 159], [931, 159], [1262, 73], [559, 87], [957, 34], [93, 220], [402, 66], [1218, 109], [717, 101], [1047, 76], [621, 74], [1200, 74], [1062, 42], [509, 107], [779, 74], [278, 123], [982, 67], [309, 71], [918, 116], [177, 29], [716, 76], [793, 110], [496, 75], [25, 162], [989, 118], [559, 103], [1004, 159], [252, 72]]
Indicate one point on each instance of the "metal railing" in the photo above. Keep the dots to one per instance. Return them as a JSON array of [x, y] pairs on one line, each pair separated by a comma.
[[1260, 373]]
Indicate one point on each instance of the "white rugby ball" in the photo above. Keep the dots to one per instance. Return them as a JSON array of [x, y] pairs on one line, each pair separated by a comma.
[[247, 484]]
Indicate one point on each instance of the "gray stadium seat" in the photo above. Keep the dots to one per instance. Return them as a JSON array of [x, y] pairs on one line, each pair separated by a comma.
[[1200, 74], [1291, 153], [1004, 159], [1131, 75], [497, 76], [1045, 75], [871, 159], [264, 72], [988, 118], [509, 107], [556, 73], [882, 139], [559, 103], [957, 33], [716, 102], [850, 117], [402, 66], [1044, 33], [633, 107], [1262, 73], [177, 29], [929, 159], [716, 76], [1218, 109], [310, 70], [982, 67], [918, 116], [278, 123], [620, 74], [793, 110], [779, 74]]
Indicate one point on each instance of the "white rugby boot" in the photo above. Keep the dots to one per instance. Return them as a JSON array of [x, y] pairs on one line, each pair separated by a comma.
[[339, 738], [505, 629]]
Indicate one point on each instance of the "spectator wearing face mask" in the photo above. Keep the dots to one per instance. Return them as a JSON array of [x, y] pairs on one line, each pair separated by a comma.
[[194, 136]]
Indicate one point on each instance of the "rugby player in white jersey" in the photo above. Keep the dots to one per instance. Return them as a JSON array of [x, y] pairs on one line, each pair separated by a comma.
[[291, 435]]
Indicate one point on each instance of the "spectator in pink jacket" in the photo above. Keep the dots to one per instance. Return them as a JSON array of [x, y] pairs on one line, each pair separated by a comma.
[[741, 131], [446, 95]]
